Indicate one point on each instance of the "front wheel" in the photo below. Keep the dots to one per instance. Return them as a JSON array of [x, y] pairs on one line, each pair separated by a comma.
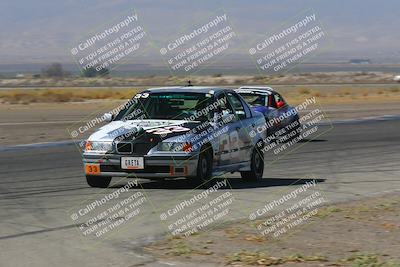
[[256, 166], [98, 181], [204, 167]]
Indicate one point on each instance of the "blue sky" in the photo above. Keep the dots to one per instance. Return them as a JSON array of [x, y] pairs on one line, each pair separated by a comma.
[[43, 30]]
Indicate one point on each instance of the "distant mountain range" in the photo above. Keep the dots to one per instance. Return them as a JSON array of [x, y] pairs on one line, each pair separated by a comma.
[[45, 30]]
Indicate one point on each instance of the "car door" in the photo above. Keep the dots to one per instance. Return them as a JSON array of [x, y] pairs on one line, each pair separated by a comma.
[[228, 139], [274, 113], [281, 110], [242, 143]]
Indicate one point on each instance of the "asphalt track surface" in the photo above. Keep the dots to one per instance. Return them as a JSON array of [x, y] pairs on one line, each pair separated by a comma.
[[39, 186]]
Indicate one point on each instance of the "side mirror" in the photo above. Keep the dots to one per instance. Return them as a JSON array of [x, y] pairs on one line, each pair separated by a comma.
[[108, 117], [227, 117], [223, 117]]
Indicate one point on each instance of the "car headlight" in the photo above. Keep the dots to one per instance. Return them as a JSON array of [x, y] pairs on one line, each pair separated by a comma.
[[175, 147], [95, 146]]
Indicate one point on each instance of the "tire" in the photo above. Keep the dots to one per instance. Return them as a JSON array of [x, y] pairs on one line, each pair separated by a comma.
[[256, 166], [98, 181], [204, 167]]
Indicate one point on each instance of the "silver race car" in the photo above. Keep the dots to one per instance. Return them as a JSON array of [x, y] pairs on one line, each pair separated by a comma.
[[193, 132]]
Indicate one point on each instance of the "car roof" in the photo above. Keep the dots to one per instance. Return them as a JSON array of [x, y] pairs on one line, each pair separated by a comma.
[[255, 90], [188, 89]]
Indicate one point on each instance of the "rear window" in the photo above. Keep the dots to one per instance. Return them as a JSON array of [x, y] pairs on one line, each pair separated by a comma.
[[254, 100]]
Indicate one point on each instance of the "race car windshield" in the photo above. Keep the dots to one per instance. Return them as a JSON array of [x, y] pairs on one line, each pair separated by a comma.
[[254, 99], [170, 106]]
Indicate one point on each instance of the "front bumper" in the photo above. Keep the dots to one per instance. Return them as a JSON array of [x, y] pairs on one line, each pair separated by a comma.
[[155, 166]]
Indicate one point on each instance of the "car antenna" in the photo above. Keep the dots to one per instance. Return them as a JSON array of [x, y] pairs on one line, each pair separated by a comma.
[[189, 83]]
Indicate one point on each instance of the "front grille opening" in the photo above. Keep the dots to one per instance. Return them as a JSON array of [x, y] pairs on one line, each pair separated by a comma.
[[124, 148], [179, 170], [150, 169]]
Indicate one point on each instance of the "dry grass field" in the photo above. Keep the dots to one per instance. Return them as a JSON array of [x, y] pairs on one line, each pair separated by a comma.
[[294, 94]]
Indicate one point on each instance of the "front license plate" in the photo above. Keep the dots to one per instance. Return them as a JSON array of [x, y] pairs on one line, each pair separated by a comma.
[[132, 163], [92, 169]]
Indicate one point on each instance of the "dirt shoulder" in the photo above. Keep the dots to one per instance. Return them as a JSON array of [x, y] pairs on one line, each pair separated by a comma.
[[48, 122], [359, 233]]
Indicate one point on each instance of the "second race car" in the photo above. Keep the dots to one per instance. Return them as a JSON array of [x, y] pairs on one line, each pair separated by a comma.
[[278, 113]]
